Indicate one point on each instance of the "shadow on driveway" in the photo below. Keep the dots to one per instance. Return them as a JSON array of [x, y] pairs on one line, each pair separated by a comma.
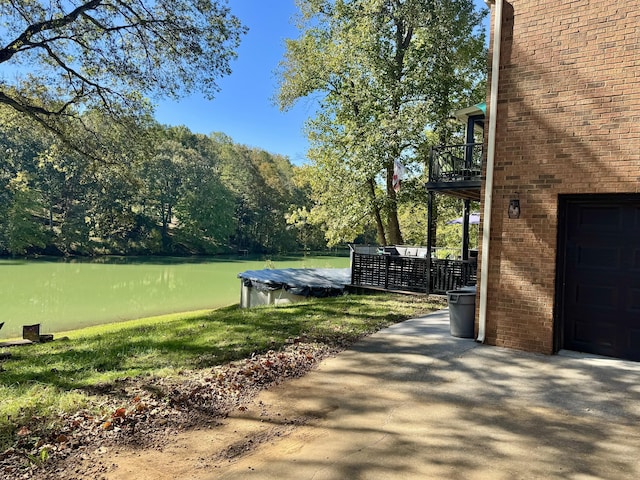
[[413, 402]]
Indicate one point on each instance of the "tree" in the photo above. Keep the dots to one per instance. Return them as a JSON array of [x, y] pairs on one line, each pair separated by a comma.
[[21, 207], [158, 190], [386, 72], [62, 183], [205, 209], [205, 215], [67, 57], [163, 176], [264, 191], [20, 230]]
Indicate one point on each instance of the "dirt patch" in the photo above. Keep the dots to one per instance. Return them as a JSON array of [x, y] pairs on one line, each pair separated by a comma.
[[145, 414]]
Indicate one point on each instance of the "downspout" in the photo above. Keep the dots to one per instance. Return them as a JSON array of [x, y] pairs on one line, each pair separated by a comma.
[[491, 151]]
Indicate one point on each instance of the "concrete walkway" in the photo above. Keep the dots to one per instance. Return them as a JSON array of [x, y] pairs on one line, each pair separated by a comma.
[[412, 402]]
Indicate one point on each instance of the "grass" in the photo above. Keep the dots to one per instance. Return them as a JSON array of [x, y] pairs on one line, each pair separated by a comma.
[[42, 381]]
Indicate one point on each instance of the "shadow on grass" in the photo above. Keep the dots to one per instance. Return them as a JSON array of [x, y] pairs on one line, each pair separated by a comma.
[[203, 341], [40, 381]]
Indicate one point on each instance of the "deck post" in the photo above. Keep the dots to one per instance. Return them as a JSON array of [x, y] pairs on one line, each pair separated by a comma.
[[352, 254], [387, 263], [465, 229], [430, 229], [430, 239]]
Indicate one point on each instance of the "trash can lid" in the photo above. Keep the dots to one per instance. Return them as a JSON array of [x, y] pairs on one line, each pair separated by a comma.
[[461, 292]]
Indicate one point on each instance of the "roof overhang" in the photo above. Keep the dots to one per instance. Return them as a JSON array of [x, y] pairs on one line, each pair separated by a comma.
[[472, 111]]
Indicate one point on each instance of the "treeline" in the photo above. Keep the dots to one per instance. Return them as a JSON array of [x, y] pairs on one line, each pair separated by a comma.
[[144, 189]]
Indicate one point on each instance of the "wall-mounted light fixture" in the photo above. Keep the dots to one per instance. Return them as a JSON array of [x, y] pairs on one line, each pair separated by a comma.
[[514, 207]]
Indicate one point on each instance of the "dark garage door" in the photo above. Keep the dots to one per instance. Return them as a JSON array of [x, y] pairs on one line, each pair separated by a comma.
[[600, 275]]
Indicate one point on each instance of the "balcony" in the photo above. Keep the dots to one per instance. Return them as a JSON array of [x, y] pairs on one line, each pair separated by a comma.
[[456, 170]]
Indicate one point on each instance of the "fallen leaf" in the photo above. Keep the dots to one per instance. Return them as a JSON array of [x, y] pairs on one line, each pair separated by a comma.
[[23, 432], [121, 412]]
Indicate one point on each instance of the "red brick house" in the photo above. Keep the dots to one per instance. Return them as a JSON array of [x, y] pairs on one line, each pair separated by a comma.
[[559, 263]]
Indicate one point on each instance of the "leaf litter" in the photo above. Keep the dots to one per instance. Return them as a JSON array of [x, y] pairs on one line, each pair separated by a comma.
[[145, 412]]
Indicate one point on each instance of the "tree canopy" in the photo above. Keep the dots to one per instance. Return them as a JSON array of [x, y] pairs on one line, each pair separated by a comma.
[[386, 73], [167, 191], [62, 58]]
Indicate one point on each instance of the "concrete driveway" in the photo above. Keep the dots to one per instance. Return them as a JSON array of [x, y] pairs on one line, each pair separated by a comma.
[[412, 402]]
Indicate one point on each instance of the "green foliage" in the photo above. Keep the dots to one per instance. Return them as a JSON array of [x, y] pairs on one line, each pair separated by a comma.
[[20, 231], [387, 73], [448, 240], [264, 190], [70, 57], [309, 235], [41, 458], [338, 207], [41, 381], [156, 190], [413, 220]]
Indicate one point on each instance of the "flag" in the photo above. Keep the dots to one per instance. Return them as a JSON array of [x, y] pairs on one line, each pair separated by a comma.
[[398, 175]]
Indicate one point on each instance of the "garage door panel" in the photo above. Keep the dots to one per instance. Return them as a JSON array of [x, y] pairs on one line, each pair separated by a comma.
[[598, 257], [592, 217], [636, 217], [635, 259], [599, 337], [633, 344], [633, 304], [600, 275], [597, 296]]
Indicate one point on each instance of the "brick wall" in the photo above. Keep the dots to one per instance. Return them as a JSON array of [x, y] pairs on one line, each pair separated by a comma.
[[568, 122]]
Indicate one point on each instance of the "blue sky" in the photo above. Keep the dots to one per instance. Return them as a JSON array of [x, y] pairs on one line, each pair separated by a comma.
[[244, 108]]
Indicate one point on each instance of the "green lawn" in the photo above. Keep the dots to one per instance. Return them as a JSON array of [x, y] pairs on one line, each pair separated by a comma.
[[41, 381]]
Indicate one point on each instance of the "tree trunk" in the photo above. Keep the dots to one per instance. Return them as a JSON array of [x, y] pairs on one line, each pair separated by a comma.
[[382, 238], [166, 218], [393, 225]]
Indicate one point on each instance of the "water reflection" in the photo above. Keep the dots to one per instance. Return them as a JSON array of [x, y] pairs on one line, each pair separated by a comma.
[[62, 295]]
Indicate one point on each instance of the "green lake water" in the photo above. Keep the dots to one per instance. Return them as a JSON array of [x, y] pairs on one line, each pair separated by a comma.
[[67, 294]]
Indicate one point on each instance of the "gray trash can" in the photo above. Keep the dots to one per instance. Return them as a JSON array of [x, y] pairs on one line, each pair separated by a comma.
[[462, 312]]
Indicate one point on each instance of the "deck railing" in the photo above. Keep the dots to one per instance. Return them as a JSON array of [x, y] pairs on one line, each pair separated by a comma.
[[452, 274], [454, 163], [390, 272], [412, 274]]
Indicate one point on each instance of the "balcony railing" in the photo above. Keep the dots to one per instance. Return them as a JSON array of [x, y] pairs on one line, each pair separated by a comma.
[[456, 163]]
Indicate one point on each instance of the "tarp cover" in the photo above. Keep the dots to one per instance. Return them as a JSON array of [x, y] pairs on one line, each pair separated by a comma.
[[316, 282]]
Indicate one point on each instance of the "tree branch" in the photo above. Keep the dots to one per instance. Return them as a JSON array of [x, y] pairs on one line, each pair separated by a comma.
[[25, 37], [75, 74]]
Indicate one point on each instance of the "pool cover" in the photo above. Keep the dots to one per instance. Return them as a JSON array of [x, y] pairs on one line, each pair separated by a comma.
[[314, 282]]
